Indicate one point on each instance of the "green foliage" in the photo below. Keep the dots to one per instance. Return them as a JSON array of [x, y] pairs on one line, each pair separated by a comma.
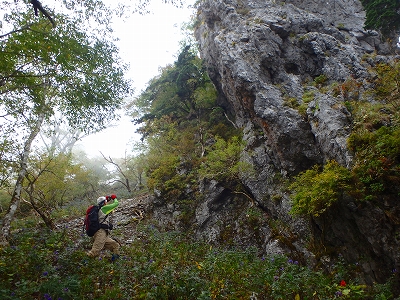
[[52, 181], [375, 138], [320, 80], [316, 190], [222, 162], [4, 201], [182, 91], [377, 153], [181, 122], [52, 265], [67, 69], [388, 83], [163, 176], [291, 102], [349, 90], [382, 15]]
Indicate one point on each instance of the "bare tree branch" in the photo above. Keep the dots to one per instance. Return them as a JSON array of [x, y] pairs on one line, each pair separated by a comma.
[[110, 160]]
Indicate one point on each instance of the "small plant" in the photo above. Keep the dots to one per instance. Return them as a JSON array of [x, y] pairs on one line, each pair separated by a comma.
[[307, 98], [340, 26], [254, 217], [320, 80], [376, 162], [349, 90], [291, 102]]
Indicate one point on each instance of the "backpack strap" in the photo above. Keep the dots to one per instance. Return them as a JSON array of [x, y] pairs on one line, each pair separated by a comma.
[[103, 219], [101, 222]]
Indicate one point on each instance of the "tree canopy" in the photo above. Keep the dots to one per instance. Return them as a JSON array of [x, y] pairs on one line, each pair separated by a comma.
[[81, 74], [383, 15]]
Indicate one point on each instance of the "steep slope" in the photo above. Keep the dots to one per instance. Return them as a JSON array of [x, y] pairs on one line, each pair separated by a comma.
[[264, 55]]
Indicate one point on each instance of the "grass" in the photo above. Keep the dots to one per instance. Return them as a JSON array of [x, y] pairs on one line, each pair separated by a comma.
[[163, 265]]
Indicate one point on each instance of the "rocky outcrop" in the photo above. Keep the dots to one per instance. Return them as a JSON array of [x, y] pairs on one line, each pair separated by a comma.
[[261, 53], [266, 59]]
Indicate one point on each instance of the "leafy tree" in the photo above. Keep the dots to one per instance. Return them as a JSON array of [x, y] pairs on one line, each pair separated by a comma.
[[96, 10], [181, 92], [45, 70], [7, 148], [49, 183], [382, 15]]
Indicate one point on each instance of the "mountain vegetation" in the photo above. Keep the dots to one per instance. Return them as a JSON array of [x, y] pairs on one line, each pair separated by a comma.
[[188, 136], [184, 144], [382, 15], [59, 82], [42, 264]]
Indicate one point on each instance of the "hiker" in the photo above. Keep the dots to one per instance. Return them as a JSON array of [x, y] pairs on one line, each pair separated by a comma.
[[101, 238]]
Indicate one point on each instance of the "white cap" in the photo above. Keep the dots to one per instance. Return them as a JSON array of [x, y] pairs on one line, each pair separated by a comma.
[[101, 199]]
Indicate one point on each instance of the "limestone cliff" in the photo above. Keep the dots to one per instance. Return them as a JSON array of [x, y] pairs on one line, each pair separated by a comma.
[[261, 54]]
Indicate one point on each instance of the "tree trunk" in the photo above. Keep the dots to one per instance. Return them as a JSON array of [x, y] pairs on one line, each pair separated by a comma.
[[16, 196], [45, 216]]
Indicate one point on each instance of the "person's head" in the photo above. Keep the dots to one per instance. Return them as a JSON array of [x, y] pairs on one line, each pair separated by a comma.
[[101, 201]]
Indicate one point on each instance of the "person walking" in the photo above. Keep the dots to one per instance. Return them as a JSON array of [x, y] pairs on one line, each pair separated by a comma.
[[101, 239]]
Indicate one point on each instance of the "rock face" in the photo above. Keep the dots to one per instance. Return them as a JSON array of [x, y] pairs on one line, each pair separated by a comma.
[[262, 55]]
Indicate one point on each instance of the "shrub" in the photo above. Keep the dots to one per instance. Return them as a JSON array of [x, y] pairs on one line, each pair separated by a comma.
[[316, 190], [222, 161], [376, 161], [388, 83], [320, 80]]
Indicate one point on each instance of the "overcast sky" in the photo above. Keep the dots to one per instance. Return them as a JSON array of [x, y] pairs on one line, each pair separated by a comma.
[[147, 42]]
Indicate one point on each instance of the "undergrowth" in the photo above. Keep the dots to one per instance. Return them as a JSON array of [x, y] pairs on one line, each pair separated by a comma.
[[50, 265]]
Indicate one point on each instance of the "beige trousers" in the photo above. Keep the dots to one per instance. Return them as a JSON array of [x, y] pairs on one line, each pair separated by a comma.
[[102, 241]]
